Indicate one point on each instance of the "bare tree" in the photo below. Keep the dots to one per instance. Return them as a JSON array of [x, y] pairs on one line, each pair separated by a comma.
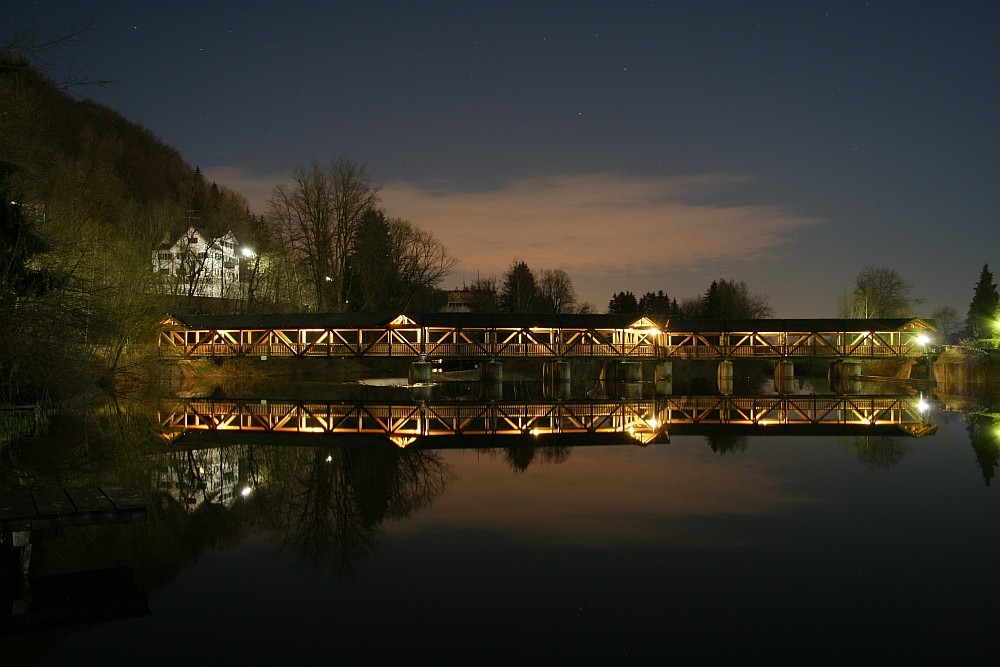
[[318, 217], [421, 261], [880, 292], [947, 319], [556, 290]]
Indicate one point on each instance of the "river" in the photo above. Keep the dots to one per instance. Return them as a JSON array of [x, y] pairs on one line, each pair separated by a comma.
[[819, 544]]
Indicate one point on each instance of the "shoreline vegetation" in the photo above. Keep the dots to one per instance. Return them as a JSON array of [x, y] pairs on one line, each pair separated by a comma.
[[23, 421]]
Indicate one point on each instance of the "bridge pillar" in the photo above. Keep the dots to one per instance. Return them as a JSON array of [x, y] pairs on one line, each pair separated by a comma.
[[420, 372], [784, 377], [663, 377], [423, 392], [491, 372], [491, 379], [630, 371], [556, 378], [725, 377], [844, 376], [629, 379]]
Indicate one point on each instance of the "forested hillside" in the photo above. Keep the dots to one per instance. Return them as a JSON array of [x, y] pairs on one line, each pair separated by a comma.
[[87, 195]]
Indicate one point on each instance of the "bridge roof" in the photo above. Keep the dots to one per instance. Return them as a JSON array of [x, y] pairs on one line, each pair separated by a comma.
[[801, 324], [537, 320], [285, 321], [381, 320]]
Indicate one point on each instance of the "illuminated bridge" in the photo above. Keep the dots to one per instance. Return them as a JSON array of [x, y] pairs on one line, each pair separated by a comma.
[[464, 423], [501, 336]]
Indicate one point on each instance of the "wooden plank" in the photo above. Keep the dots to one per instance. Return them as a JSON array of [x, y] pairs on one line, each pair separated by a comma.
[[61, 508], [16, 504], [90, 499], [52, 502], [124, 498]]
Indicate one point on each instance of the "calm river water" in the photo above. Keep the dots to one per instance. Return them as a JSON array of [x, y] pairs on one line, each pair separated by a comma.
[[814, 545]]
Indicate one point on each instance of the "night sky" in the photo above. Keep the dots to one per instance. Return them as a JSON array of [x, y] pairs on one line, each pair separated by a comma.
[[637, 145]]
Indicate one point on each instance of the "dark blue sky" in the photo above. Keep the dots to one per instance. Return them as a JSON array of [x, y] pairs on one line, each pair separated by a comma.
[[641, 146]]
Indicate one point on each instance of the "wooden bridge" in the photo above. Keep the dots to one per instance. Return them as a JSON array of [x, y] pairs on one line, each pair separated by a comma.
[[643, 421], [544, 336]]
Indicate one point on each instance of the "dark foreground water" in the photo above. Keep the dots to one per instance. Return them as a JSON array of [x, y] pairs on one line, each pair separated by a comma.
[[782, 549]]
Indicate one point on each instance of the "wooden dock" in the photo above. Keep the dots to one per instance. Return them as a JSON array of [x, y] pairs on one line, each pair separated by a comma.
[[49, 509]]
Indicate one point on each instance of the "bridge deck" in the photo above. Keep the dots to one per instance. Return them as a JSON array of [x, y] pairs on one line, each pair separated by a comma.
[[505, 336]]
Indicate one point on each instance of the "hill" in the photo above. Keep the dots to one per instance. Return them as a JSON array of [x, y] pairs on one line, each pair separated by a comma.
[[87, 195]]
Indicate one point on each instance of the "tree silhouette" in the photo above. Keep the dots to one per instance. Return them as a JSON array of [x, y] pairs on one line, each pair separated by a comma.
[[623, 303], [983, 307], [982, 431], [879, 452], [519, 291], [657, 305], [730, 299], [880, 292]]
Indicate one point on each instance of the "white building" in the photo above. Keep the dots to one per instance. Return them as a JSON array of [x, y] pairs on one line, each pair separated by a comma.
[[198, 265]]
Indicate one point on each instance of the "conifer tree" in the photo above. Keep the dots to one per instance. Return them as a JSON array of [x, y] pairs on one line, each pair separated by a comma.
[[983, 308], [520, 291], [623, 303]]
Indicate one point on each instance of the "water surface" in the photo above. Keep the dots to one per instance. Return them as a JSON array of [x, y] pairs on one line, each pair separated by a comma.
[[778, 549]]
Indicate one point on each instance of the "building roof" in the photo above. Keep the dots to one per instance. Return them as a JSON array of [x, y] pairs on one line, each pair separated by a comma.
[[203, 232]]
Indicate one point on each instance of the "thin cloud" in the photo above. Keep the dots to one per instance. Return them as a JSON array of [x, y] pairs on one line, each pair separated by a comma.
[[599, 228], [608, 232], [255, 187]]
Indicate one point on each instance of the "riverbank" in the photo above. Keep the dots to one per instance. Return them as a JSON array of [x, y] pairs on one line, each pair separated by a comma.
[[968, 367]]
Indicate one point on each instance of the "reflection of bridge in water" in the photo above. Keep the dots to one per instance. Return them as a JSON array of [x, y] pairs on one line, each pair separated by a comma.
[[443, 424]]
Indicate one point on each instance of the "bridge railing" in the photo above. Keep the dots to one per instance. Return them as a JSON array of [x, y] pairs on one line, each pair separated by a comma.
[[531, 343]]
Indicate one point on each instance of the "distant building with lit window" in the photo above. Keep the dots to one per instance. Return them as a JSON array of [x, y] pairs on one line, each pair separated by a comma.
[[469, 301], [197, 264]]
